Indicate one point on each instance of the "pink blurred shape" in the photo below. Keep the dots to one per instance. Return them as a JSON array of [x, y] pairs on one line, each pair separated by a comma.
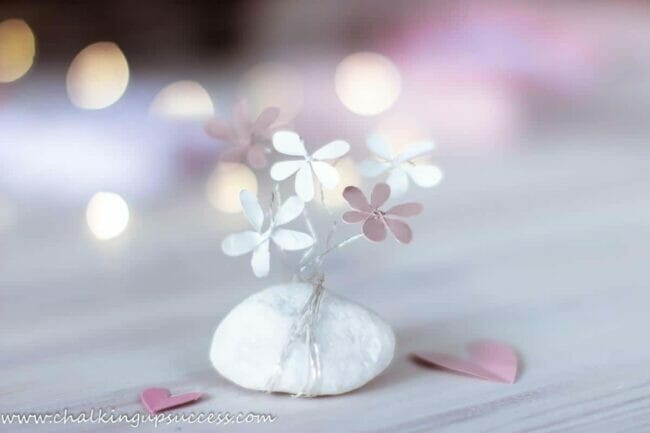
[[159, 399], [249, 138], [489, 360]]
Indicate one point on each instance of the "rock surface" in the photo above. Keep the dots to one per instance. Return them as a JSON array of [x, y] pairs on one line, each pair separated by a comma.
[[355, 344]]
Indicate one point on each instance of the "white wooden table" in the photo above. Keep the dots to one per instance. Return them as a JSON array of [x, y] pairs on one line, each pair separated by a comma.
[[548, 250]]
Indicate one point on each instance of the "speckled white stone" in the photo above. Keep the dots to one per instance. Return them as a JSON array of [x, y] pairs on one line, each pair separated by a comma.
[[355, 344]]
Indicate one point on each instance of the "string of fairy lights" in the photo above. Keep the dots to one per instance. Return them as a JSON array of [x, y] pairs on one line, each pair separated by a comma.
[[98, 76]]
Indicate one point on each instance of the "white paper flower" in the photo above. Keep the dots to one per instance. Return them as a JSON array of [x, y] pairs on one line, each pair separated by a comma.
[[258, 240], [290, 143], [400, 167]]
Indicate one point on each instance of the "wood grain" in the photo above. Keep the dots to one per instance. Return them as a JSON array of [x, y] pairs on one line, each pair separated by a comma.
[[547, 250]]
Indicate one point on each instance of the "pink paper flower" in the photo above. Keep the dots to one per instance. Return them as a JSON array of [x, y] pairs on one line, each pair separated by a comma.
[[249, 138], [374, 219]]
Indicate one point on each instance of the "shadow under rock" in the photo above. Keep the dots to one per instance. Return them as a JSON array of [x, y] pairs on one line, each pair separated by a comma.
[[402, 369]]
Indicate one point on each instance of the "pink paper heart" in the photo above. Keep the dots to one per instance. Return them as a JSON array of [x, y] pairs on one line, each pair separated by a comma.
[[159, 399], [489, 360]]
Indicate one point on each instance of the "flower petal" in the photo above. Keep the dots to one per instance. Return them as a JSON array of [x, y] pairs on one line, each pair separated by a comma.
[[425, 176], [354, 216], [326, 174], [291, 240], [252, 209], [237, 244], [378, 145], [261, 260], [372, 168], [374, 229], [305, 183], [266, 119], [289, 143], [355, 198], [380, 193], [233, 154], [405, 209], [332, 150], [415, 150], [284, 169], [398, 181], [289, 210], [256, 157], [242, 121], [400, 229], [217, 128]]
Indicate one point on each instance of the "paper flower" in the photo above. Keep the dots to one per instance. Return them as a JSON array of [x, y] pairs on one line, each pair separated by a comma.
[[375, 220], [258, 240], [400, 167], [290, 143], [248, 137]]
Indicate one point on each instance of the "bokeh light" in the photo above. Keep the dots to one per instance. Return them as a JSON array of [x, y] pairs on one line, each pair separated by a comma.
[[225, 184], [274, 84], [349, 173], [17, 49], [367, 83], [98, 76], [107, 215], [182, 100]]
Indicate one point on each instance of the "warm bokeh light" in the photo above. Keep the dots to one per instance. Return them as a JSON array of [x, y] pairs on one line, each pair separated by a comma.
[[367, 83], [182, 100], [225, 184], [349, 176], [17, 49], [274, 84], [98, 76], [107, 215]]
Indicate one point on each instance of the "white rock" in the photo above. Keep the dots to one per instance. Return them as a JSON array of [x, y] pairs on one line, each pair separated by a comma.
[[355, 344]]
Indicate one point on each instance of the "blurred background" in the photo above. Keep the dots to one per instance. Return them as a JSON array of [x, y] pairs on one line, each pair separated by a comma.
[[112, 96], [113, 200], [104, 159]]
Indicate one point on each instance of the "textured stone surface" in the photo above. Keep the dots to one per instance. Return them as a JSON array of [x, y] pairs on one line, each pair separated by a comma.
[[355, 344]]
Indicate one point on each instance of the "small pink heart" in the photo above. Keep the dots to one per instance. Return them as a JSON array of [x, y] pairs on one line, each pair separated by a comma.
[[488, 360], [159, 399]]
